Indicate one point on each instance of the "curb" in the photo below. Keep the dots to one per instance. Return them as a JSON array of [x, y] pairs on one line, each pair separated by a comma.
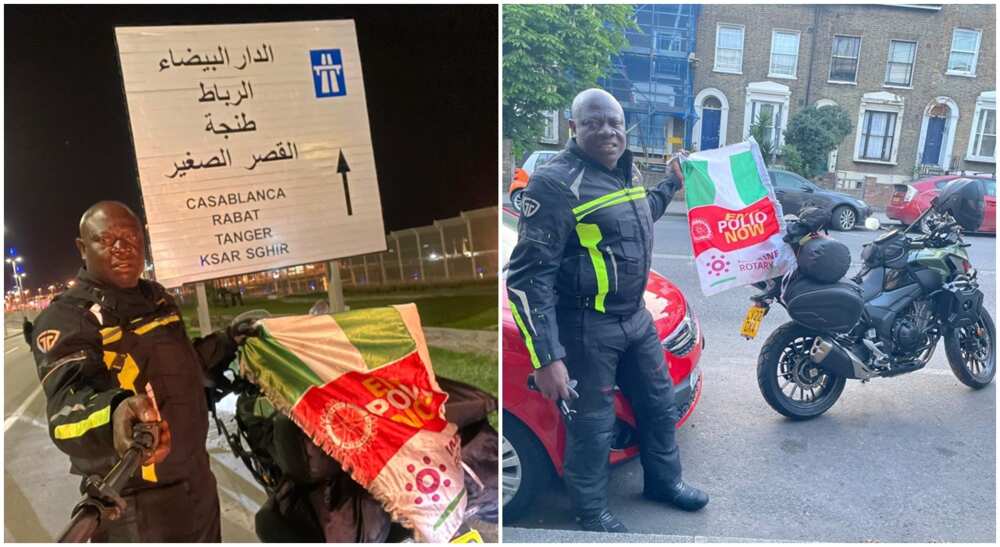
[[540, 535]]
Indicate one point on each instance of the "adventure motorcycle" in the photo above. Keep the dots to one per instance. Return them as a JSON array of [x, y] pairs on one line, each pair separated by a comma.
[[912, 291], [310, 498]]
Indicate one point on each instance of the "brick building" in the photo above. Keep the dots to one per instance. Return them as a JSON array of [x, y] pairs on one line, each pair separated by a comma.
[[919, 82]]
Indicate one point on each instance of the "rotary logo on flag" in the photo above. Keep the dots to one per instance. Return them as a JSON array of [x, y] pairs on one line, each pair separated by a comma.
[[734, 218]]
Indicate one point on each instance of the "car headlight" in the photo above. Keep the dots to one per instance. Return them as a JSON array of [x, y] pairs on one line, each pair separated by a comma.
[[684, 337]]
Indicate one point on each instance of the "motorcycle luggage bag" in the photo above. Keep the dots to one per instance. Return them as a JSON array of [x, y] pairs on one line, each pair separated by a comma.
[[824, 307], [824, 260]]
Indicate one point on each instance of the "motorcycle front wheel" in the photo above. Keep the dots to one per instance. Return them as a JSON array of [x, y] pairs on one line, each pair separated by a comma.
[[972, 352], [790, 382]]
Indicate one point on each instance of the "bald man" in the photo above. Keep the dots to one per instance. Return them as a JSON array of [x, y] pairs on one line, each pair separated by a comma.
[[96, 346], [575, 283]]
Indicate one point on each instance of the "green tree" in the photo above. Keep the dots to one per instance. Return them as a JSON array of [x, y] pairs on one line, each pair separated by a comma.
[[814, 133], [760, 130], [551, 53]]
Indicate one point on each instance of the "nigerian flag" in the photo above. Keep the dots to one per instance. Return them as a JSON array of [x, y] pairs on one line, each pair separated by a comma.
[[360, 384], [735, 221]]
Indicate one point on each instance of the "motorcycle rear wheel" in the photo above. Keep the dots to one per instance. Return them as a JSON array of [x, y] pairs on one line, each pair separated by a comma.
[[784, 363], [972, 352]]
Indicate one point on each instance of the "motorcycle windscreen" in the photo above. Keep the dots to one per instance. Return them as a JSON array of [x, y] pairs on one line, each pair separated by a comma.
[[823, 307]]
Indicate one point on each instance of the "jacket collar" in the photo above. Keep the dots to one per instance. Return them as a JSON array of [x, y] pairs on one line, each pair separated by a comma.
[[622, 169], [129, 302]]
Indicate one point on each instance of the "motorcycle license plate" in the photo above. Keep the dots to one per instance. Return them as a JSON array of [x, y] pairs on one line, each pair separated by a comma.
[[751, 323]]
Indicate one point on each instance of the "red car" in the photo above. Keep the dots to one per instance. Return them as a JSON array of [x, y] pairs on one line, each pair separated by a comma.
[[533, 431], [910, 201]]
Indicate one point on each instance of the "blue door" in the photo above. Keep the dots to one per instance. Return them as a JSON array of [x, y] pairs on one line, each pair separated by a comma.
[[710, 119], [932, 142]]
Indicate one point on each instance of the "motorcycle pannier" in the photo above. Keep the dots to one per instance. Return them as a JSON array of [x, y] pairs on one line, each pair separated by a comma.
[[889, 251], [822, 306], [824, 260]]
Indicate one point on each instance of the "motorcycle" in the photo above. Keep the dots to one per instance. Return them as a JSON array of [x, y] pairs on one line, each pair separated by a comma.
[[913, 290], [310, 498]]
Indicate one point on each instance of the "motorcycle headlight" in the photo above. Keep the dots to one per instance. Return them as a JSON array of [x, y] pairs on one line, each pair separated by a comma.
[[683, 338]]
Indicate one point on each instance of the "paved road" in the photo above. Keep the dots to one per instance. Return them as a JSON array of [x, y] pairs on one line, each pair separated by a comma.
[[39, 492], [911, 458]]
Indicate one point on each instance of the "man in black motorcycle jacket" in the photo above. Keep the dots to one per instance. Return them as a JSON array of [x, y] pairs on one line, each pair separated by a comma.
[[96, 347], [575, 283]]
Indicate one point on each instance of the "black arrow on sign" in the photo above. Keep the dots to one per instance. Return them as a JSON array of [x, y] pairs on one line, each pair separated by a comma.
[[343, 169]]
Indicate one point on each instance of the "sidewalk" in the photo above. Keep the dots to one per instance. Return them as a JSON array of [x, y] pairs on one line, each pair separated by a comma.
[[537, 535]]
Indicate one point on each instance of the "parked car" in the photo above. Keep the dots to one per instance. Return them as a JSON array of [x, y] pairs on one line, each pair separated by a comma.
[[795, 192], [521, 174], [533, 432], [909, 201]]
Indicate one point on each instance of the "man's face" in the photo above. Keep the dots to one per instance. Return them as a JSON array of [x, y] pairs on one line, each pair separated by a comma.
[[113, 248], [600, 131]]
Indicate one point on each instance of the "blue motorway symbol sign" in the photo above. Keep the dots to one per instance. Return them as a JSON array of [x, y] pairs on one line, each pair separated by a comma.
[[327, 73]]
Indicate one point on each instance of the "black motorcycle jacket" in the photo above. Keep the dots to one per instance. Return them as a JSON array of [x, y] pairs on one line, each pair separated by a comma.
[[585, 240], [95, 346]]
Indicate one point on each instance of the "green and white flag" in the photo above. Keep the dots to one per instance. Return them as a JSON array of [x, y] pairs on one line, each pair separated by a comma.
[[735, 220], [360, 384]]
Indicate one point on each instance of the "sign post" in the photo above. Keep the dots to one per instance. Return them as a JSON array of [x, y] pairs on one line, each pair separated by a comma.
[[253, 146]]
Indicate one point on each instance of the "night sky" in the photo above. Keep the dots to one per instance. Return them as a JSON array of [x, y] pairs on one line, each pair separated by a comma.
[[430, 80]]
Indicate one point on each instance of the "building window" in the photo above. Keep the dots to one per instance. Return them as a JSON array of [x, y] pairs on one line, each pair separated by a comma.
[[844, 60], [899, 70], [672, 42], [729, 48], [771, 111], [784, 54], [964, 52], [983, 141], [550, 133], [878, 130]]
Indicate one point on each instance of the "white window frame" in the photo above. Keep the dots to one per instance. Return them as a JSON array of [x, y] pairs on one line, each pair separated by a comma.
[[986, 101], [795, 68], [551, 122], [975, 53], [767, 92], [880, 101], [913, 65], [857, 62], [743, 36]]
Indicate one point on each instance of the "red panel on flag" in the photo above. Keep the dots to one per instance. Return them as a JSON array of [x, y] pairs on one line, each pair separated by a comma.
[[714, 227], [362, 420]]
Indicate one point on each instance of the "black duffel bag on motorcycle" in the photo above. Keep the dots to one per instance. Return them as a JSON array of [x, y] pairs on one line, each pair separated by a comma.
[[824, 260]]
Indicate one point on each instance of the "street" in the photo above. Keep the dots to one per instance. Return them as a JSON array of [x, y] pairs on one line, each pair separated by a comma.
[[910, 458], [39, 491]]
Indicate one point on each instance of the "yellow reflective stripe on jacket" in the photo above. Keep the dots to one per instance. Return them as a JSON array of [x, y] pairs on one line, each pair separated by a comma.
[[590, 236], [527, 336], [157, 323], [149, 473], [78, 429], [128, 371], [607, 200], [111, 335]]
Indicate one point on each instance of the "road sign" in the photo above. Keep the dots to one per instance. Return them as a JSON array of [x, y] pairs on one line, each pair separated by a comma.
[[253, 146]]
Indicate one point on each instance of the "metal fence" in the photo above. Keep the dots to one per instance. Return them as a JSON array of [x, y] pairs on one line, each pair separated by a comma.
[[453, 249]]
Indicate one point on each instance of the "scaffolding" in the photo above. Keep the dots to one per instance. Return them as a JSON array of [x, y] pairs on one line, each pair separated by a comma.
[[653, 79]]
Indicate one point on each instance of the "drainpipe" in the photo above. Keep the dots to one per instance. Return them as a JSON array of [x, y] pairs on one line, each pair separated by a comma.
[[812, 51]]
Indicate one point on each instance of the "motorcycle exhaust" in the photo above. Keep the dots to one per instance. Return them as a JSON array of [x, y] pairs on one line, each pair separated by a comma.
[[835, 359]]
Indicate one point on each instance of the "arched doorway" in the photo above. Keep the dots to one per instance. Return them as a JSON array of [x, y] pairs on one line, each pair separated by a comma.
[[709, 129], [937, 135]]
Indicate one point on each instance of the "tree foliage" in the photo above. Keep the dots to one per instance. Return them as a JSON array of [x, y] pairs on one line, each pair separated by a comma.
[[551, 53], [814, 133]]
